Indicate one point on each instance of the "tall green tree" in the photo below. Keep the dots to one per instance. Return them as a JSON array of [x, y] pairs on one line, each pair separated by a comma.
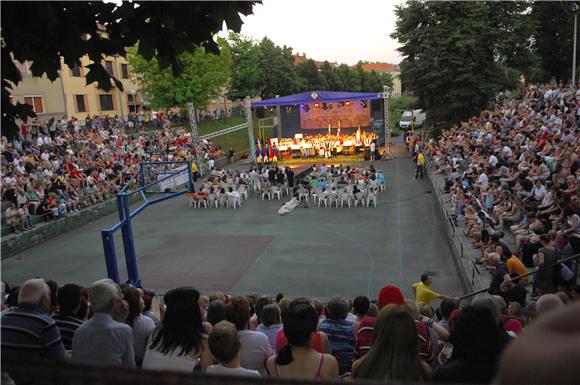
[[204, 77], [330, 76], [278, 72], [376, 81], [347, 77], [245, 69], [310, 76], [456, 55], [553, 39], [45, 32]]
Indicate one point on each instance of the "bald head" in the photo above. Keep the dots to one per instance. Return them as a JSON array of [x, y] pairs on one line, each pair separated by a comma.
[[34, 292], [548, 303]]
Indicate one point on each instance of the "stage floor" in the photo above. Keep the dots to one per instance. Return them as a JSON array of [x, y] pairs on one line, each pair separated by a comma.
[[315, 252]]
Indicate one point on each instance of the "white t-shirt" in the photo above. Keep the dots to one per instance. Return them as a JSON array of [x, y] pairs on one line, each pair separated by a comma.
[[142, 328], [373, 146], [222, 370], [507, 152], [155, 360], [483, 181], [493, 160], [255, 350]]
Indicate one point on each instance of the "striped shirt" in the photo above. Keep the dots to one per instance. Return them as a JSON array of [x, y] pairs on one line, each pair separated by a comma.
[[30, 333], [342, 342], [67, 325]]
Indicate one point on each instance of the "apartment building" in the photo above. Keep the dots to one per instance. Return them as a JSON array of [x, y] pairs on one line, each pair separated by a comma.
[[69, 95]]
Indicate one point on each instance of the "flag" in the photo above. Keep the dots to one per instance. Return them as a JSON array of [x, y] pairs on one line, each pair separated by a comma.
[[358, 135], [329, 129], [259, 144]]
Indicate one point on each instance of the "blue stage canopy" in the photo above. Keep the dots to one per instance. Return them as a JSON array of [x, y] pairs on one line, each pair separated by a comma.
[[317, 97]]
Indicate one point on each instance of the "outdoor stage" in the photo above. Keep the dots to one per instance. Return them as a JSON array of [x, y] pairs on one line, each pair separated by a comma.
[[321, 124]]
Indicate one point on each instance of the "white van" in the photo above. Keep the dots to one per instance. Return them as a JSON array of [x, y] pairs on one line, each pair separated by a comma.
[[407, 117]]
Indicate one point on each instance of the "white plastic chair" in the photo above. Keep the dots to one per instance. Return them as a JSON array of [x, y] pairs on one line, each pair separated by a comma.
[[358, 198], [267, 192], [372, 196], [344, 197], [276, 192], [322, 197], [232, 201]]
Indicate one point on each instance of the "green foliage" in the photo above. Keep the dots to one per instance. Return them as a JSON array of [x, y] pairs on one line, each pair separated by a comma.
[[43, 32], [245, 69], [311, 78], [204, 75], [278, 72], [553, 40], [458, 53]]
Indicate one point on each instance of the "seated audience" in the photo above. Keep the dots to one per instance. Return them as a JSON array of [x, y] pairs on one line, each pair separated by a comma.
[[225, 345]]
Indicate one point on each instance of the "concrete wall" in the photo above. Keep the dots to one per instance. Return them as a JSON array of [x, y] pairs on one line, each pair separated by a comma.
[[12, 245]]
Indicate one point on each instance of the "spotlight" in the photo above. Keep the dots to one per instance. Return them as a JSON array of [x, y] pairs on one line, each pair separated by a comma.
[[316, 105], [347, 103]]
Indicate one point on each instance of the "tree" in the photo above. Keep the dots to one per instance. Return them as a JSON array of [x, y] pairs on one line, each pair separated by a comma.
[[553, 39], [346, 76], [245, 69], [43, 32], [310, 76], [330, 77], [376, 81], [204, 77], [278, 72], [456, 55]]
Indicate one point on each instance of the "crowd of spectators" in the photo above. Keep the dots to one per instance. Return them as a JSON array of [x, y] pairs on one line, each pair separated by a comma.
[[387, 338], [512, 173], [57, 167]]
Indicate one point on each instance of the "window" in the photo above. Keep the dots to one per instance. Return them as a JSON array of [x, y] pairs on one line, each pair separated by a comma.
[[76, 71], [109, 67], [80, 102], [125, 71], [106, 102], [36, 102]]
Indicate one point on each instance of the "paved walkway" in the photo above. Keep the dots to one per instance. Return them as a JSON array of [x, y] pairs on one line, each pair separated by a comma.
[[310, 252]]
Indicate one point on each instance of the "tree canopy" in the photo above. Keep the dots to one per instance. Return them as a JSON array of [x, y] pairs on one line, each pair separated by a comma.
[[43, 32], [456, 54], [204, 75]]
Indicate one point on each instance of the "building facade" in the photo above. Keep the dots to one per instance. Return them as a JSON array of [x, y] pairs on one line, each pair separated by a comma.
[[70, 96], [387, 68]]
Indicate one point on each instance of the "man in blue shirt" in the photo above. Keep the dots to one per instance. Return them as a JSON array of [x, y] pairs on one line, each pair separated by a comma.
[[102, 340]]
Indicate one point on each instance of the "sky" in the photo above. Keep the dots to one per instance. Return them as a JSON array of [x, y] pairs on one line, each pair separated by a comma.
[[335, 30]]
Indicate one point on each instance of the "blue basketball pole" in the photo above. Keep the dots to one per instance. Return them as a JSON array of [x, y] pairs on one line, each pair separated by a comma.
[[129, 244]]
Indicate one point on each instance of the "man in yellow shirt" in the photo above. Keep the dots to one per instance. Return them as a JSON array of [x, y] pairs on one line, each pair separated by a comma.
[[423, 293], [420, 164]]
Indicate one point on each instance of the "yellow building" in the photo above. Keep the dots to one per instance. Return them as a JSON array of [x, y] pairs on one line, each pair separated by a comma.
[[388, 68], [70, 96]]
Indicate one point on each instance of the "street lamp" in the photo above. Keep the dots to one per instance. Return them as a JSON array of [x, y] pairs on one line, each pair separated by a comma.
[[134, 93]]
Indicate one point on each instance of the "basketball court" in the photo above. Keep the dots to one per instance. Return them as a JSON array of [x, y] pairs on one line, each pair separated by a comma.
[[313, 251]]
